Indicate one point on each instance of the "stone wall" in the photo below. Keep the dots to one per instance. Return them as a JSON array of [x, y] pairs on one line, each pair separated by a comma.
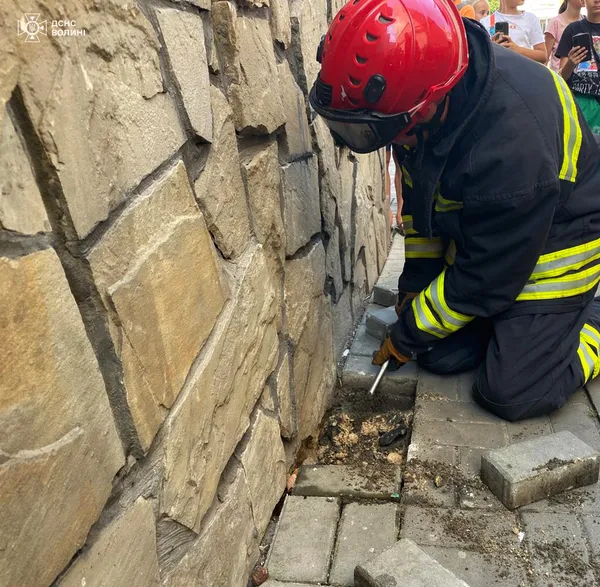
[[183, 252]]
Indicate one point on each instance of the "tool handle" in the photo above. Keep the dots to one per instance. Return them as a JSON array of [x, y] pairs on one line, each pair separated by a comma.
[[382, 370]]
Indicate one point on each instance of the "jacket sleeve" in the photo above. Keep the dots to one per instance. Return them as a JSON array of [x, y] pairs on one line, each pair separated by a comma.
[[503, 235], [423, 256]]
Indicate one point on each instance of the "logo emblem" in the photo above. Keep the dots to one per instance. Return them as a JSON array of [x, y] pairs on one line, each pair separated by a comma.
[[344, 95], [32, 27]]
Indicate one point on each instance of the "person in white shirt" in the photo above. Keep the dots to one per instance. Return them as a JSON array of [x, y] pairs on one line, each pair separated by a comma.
[[525, 32]]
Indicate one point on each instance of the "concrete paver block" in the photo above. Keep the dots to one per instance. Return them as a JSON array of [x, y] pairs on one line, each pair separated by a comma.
[[359, 373], [386, 293], [527, 429], [364, 345], [432, 386], [528, 471], [478, 569], [379, 322], [365, 531], [407, 565], [453, 411], [578, 416], [304, 539], [472, 496], [585, 500], [470, 434], [452, 528], [558, 550], [340, 480]]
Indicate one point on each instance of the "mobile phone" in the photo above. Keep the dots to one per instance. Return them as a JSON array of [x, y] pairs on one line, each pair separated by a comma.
[[584, 40], [502, 27]]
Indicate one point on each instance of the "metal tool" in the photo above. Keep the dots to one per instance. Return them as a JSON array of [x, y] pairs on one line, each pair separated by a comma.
[[382, 370]]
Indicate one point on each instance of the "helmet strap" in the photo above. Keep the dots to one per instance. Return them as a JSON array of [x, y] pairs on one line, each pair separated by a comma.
[[436, 121]]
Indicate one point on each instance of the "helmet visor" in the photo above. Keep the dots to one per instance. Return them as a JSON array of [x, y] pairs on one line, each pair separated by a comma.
[[359, 137]]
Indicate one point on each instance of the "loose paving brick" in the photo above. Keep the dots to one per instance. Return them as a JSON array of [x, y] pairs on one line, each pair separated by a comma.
[[558, 549], [365, 531], [470, 434], [379, 321], [304, 539], [536, 469], [364, 345], [579, 417], [386, 292], [478, 570], [401, 384], [478, 531], [341, 480], [408, 565]]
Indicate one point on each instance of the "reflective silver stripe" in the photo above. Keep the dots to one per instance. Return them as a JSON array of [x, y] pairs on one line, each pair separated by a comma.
[[561, 287], [560, 262], [586, 360], [425, 319], [420, 247], [407, 222], [571, 130], [450, 319], [450, 255], [590, 331], [444, 205]]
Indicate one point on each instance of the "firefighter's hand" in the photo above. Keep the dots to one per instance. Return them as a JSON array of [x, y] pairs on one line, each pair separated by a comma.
[[404, 298], [577, 55], [389, 351]]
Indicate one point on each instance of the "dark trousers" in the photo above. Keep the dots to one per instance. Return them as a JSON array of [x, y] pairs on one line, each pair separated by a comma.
[[527, 365]]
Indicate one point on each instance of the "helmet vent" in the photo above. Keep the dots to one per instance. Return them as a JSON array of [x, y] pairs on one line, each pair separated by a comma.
[[385, 20], [341, 17], [354, 81], [355, 2], [370, 37], [360, 59]]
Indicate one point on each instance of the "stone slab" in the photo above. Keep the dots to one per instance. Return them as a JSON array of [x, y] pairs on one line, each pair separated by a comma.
[[304, 539], [432, 386], [474, 495], [585, 500], [364, 345], [527, 429], [380, 321], [470, 434], [365, 531], [528, 471], [340, 480], [359, 373], [405, 564], [591, 523], [385, 294], [452, 411], [477, 569], [578, 416], [558, 550]]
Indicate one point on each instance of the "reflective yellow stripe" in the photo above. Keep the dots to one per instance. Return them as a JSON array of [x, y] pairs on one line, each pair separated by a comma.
[[423, 248], [587, 363], [450, 255], [444, 205], [424, 318], [562, 287], [406, 176], [571, 131], [451, 320], [559, 262], [407, 222], [589, 351], [593, 333]]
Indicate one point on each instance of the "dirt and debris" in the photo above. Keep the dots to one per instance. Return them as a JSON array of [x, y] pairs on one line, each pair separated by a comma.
[[563, 559], [423, 473], [552, 464], [352, 438]]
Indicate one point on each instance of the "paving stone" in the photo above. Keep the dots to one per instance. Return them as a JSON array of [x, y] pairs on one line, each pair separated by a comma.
[[593, 389], [432, 386], [365, 531], [476, 569], [558, 550], [364, 345], [379, 322], [359, 373], [338, 480], [526, 429], [468, 530], [405, 564], [591, 524], [385, 294], [453, 411], [528, 471], [465, 385], [579, 417], [304, 539], [471, 434], [419, 488], [583, 500]]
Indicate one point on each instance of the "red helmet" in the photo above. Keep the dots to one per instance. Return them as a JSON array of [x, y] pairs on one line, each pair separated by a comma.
[[383, 62]]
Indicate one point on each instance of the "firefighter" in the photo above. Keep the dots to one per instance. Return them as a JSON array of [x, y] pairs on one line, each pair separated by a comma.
[[502, 198]]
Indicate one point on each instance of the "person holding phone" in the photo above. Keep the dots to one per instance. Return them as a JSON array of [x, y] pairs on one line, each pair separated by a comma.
[[517, 30], [579, 54], [569, 12]]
